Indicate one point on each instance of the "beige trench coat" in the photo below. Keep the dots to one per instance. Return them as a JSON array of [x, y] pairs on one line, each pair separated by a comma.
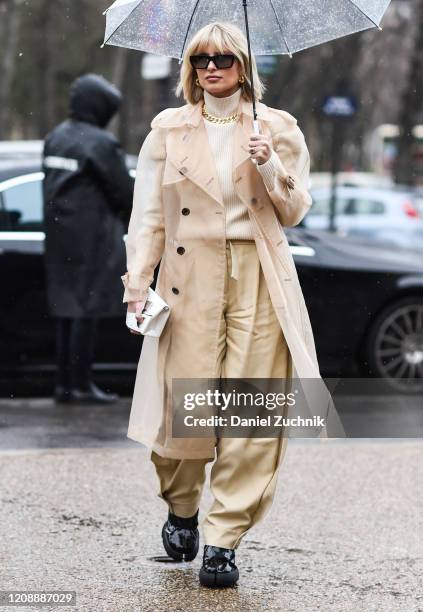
[[178, 218]]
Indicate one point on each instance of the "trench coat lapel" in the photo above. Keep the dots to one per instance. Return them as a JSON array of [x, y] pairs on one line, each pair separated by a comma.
[[191, 153]]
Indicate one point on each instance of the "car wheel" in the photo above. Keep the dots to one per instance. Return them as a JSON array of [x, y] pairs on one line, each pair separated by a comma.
[[394, 347]]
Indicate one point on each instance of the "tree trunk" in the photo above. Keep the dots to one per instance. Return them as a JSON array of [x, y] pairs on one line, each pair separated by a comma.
[[118, 79], [10, 20], [47, 110], [411, 108]]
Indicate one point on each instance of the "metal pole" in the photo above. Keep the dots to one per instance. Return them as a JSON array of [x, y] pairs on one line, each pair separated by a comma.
[[244, 3]]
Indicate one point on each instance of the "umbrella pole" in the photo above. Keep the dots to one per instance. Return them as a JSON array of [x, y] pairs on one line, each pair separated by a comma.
[[244, 3]]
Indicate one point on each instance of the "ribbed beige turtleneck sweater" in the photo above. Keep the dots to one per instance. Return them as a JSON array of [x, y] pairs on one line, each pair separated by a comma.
[[221, 136]]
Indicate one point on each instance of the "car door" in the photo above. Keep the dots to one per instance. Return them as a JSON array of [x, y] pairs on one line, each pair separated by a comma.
[[25, 328], [318, 215], [363, 216]]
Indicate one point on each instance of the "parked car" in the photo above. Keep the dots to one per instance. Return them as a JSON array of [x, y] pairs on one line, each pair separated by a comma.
[[350, 177], [365, 300], [390, 215], [418, 198], [366, 306]]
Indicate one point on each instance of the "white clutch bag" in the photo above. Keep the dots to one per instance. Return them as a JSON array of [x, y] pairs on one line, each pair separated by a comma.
[[155, 313]]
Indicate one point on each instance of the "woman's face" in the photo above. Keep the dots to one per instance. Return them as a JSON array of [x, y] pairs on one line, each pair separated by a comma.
[[226, 82]]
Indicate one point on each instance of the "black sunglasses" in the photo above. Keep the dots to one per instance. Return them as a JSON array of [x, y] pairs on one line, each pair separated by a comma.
[[220, 60]]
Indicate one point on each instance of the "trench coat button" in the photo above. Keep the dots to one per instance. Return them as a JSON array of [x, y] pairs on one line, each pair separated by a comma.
[[175, 290], [254, 200], [185, 211], [183, 170], [180, 250]]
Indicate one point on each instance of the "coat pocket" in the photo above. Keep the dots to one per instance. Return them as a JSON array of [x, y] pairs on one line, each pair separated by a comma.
[[175, 279]]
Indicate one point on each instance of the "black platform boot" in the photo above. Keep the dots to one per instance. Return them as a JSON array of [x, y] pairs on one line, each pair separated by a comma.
[[219, 569], [180, 537]]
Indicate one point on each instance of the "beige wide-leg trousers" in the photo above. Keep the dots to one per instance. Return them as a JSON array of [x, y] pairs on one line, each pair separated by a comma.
[[244, 474]]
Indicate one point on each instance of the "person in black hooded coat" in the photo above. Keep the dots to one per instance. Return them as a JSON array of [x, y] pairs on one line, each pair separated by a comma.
[[88, 193]]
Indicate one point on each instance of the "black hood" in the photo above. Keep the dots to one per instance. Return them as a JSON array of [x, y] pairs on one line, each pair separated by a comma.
[[93, 99]]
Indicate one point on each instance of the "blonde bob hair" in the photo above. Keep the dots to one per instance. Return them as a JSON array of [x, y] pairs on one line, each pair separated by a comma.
[[226, 37]]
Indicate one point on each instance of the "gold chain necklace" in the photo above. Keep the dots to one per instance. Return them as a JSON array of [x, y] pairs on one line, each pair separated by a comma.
[[214, 119]]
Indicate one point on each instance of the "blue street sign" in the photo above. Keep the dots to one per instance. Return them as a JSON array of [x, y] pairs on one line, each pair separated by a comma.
[[339, 106]]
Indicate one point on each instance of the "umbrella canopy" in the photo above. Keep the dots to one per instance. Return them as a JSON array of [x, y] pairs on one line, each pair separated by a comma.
[[278, 26]]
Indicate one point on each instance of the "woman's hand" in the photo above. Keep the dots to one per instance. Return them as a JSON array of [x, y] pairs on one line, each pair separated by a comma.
[[259, 147], [136, 307]]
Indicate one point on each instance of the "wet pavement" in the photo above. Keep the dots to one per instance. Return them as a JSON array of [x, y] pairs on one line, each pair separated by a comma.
[[344, 533], [40, 423]]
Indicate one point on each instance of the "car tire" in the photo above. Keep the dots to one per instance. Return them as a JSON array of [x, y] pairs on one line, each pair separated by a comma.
[[394, 345]]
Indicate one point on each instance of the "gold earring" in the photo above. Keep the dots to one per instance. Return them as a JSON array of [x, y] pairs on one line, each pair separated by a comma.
[[197, 82], [241, 79]]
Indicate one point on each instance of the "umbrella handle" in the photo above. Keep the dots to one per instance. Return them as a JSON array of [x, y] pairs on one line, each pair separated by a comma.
[[256, 129]]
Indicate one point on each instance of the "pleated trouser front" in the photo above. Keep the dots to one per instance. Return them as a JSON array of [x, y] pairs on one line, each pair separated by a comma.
[[244, 473]]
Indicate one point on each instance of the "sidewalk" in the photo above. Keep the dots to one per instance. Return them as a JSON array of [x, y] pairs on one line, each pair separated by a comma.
[[345, 532]]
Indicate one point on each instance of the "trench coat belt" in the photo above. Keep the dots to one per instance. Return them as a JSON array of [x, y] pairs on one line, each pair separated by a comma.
[[234, 259]]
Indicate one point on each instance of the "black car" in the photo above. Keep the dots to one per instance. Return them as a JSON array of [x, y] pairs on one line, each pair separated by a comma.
[[366, 306], [365, 301]]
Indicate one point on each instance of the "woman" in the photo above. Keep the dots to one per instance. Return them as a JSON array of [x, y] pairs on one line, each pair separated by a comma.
[[211, 200]]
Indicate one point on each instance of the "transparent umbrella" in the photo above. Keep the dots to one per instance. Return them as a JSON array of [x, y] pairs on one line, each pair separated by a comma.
[[282, 27]]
